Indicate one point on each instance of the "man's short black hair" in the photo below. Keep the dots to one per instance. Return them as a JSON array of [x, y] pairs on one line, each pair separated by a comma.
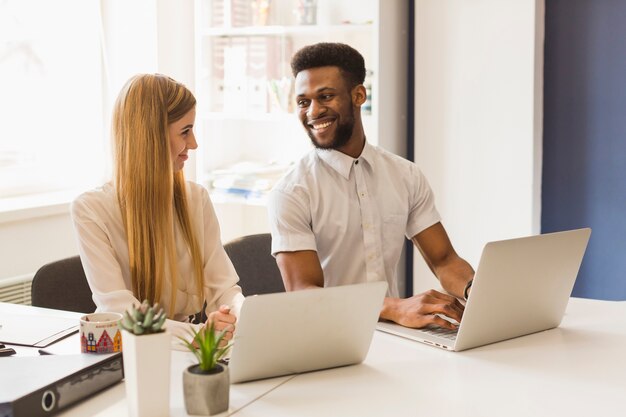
[[325, 54]]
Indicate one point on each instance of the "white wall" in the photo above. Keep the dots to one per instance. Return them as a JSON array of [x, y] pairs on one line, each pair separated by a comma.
[[31, 237], [478, 114], [478, 109]]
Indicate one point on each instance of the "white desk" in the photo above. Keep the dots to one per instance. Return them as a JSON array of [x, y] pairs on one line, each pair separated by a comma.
[[112, 401], [578, 369]]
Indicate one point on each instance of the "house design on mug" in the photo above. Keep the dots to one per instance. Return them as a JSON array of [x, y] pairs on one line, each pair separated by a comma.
[[104, 345]]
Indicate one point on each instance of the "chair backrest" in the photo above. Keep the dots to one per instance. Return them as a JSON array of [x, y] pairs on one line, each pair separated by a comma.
[[62, 285], [255, 265]]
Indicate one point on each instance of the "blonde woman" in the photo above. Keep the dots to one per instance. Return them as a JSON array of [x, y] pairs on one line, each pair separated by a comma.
[[149, 234]]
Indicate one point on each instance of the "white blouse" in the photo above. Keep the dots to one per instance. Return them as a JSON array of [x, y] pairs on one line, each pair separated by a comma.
[[103, 251]]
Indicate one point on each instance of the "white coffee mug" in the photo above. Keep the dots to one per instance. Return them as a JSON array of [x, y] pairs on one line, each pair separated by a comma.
[[99, 333]]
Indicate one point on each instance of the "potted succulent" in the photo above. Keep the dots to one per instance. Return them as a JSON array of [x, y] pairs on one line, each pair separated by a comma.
[[146, 353], [206, 385]]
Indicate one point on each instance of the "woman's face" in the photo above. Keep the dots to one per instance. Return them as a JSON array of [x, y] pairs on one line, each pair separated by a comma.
[[182, 139]]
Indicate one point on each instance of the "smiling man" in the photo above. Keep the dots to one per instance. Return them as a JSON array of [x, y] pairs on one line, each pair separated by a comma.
[[341, 215]]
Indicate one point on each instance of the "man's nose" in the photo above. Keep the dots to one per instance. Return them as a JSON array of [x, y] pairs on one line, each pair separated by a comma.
[[315, 109]]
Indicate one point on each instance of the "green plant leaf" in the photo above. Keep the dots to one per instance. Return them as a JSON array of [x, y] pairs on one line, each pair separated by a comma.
[[205, 346], [137, 329], [147, 321]]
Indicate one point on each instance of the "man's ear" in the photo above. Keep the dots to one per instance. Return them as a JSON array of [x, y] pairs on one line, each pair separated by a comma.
[[359, 95]]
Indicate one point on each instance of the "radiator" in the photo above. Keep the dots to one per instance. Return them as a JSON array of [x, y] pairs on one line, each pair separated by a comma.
[[16, 290]]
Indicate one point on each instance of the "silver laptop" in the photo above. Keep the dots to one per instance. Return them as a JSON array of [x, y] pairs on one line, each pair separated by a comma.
[[300, 331], [521, 286]]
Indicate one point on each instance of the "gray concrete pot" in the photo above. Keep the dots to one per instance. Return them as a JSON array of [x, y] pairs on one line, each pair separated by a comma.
[[206, 393]]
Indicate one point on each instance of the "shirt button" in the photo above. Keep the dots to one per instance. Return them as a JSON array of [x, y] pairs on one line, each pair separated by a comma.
[[356, 162]]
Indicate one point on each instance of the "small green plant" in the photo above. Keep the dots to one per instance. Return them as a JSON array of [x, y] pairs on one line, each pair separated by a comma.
[[145, 319], [206, 344]]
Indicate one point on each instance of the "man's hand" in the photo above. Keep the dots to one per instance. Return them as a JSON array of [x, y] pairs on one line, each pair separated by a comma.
[[222, 319], [422, 310]]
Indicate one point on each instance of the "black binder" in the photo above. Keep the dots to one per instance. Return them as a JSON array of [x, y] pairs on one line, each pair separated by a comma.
[[33, 386]]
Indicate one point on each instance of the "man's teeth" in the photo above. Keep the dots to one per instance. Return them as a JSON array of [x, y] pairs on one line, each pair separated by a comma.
[[322, 125]]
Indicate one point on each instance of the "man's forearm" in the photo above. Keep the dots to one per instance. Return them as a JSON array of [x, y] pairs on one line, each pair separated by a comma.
[[455, 276]]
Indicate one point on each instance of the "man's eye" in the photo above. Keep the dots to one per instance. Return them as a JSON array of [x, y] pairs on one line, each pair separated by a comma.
[[326, 97], [303, 103]]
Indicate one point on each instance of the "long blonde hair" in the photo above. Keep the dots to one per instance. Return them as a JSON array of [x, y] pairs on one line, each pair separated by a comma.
[[148, 189]]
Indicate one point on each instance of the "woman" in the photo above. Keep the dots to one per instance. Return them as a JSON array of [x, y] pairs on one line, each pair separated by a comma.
[[148, 234]]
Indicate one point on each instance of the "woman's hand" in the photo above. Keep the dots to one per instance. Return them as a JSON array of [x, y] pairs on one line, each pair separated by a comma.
[[222, 319]]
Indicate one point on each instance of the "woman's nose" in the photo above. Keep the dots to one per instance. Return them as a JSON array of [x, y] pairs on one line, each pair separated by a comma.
[[191, 143]]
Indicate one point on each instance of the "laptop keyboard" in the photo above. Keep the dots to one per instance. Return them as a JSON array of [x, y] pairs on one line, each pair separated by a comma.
[[441, 332]]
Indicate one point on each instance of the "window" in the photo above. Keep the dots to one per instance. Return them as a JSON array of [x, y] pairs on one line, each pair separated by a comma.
[[51, 97]]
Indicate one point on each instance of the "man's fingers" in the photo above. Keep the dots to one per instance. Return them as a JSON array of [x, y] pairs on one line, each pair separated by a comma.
[[443, 309], [430, 308], [441, 322], [436, 302], [442, 296], [424, 320]]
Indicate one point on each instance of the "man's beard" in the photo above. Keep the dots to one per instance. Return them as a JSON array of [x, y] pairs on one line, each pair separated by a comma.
[[342, 133]]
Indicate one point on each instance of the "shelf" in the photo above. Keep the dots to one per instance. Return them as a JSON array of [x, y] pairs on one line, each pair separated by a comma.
[[251, 31], [253, 117], [262, 117]]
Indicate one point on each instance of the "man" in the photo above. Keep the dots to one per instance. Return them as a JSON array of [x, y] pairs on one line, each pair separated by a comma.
[[340, 215]]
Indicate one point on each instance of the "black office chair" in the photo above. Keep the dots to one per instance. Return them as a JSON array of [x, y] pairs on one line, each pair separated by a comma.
[[258, 273], [62, 285], [255, 265]]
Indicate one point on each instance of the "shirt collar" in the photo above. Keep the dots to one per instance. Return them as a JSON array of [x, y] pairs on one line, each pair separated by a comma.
[[343, 163]]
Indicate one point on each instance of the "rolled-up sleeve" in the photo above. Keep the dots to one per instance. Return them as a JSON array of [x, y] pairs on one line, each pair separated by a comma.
[[422, 210], [289, 216]]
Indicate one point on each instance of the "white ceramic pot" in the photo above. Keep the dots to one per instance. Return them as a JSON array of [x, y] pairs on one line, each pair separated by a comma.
[[206, 393], [147, 373]]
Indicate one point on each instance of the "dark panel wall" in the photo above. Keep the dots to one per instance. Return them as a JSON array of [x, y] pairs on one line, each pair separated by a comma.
[[584, 163]]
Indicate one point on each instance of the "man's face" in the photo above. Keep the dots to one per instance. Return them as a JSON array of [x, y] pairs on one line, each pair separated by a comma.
[[325, 107]]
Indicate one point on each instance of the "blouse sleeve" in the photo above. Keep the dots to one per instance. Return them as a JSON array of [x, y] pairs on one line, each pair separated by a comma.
[[220, 277], [103, 271]]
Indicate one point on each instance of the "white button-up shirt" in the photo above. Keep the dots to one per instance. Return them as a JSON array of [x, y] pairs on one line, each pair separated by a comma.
[[354, 213]]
